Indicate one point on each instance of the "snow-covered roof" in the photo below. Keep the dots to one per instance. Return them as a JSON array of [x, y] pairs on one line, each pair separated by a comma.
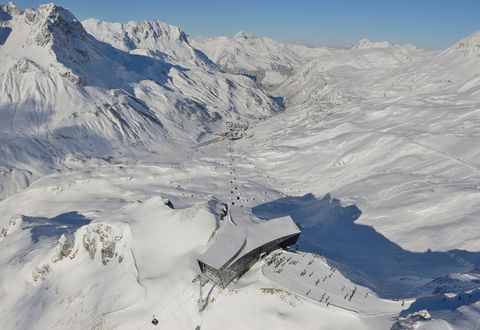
[[228, 243], [243, 233]]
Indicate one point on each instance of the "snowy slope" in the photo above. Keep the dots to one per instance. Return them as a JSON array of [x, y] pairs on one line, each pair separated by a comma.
[[272, 62], [269, 61], [151, 38], [101, 124], [112, 227], [385, 135], [468, 46], [66, 94], [391, 157]]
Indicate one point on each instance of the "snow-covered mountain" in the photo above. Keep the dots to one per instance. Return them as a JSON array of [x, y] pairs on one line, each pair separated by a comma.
[[267, 60], [67, 94], [272, 62], [151, 38], [123, 145], [302, 74], [469, 46]]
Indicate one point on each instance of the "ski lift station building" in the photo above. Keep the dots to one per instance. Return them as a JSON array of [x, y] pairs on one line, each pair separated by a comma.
[[241, 241]]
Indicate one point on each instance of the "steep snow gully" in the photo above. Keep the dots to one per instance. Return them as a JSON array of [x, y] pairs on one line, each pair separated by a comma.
[[122, 146]]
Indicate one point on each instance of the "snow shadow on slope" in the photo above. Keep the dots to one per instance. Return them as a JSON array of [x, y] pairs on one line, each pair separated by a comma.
[[4, 33], [65, 223], [41, 154], [359, 251], [441, 302]]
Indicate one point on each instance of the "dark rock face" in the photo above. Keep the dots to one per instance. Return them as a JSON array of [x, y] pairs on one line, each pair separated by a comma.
[[169, 204], [60, 29]]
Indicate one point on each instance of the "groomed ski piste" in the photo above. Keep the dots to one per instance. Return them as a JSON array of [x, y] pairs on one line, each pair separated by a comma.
[[372, 151]]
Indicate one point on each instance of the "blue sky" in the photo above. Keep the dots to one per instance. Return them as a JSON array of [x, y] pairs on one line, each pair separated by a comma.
[[426, 23]]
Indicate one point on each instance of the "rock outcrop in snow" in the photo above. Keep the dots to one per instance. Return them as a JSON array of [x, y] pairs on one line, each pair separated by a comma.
[[468, 46], [151, 38]]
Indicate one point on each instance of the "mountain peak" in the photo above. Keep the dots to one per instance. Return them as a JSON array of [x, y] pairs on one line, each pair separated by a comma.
[[49, 32], [364, 43], [468, 46], [151, 38], [132, 35], [8, 10], [54, 10], [56, 27], [156, 29], [54, 15], [244, 35]]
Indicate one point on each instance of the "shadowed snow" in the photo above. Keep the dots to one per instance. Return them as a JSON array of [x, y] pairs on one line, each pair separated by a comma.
[[65, 223]]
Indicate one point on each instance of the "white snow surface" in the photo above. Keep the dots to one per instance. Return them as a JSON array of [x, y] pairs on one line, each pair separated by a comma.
[[375, 157]]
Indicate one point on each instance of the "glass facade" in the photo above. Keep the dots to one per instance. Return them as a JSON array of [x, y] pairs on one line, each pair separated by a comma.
[[229, 272]]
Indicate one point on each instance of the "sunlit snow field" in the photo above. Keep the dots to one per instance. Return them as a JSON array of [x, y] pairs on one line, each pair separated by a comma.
[[372, 151]]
